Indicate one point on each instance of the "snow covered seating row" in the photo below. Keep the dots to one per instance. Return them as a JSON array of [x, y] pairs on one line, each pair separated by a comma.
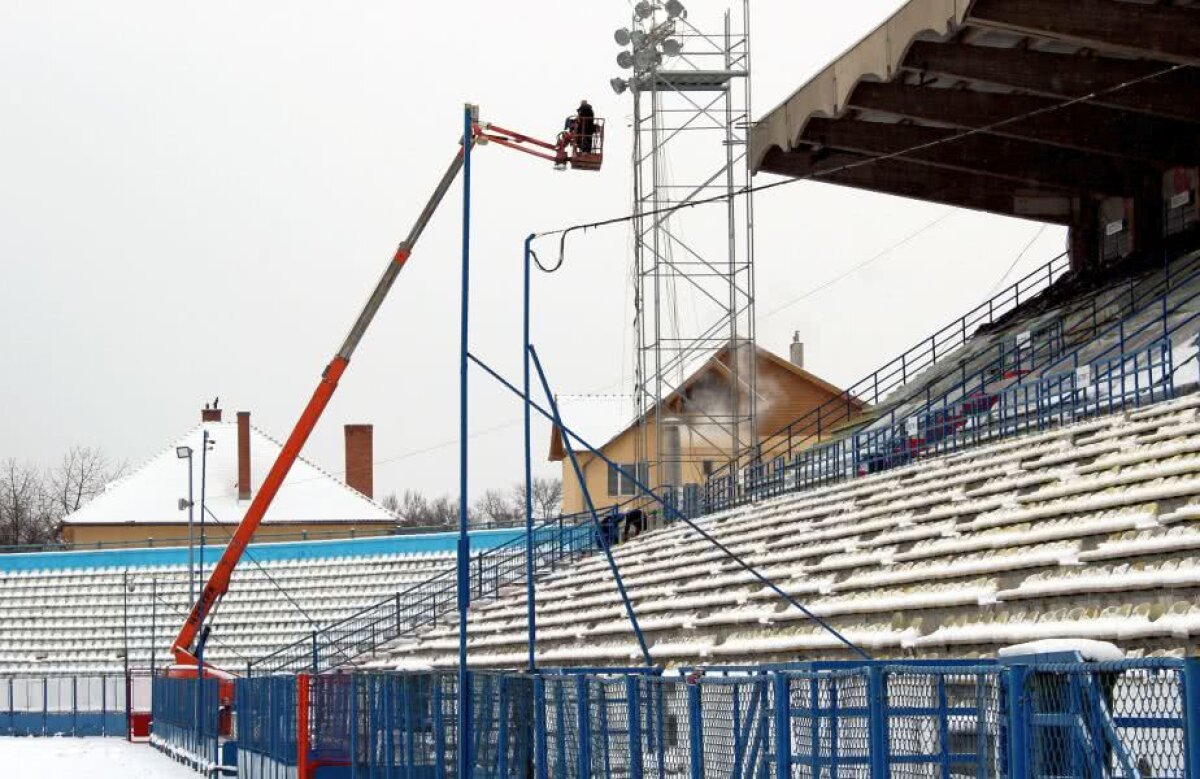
[[1085, 531], [84, 620]]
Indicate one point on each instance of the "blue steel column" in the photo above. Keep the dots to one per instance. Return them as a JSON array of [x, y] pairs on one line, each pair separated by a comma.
[[782, 697], [464, 539], [877, 724], [1191, 716], [530, 591], [633, 717], [1018, 723]]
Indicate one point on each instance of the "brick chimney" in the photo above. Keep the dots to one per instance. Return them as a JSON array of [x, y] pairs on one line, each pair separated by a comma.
[[360, 456], [797, 351], [210, 413], [243, 427]]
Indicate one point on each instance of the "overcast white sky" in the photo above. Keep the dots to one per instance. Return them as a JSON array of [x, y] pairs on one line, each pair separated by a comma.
[[195, 200]]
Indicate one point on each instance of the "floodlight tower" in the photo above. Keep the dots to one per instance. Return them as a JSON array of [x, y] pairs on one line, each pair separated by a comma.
[[693, 267]]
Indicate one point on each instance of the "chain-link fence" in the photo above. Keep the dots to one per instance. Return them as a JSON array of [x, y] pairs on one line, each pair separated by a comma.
[[918, 720]]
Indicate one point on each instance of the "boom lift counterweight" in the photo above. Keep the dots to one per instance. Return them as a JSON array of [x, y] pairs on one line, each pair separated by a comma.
[[569, 150]]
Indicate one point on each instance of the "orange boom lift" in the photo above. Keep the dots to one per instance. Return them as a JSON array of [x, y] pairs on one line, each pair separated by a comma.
[[578, 147]]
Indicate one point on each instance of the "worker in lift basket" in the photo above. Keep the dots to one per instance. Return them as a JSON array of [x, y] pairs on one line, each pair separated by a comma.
[[585, 126]]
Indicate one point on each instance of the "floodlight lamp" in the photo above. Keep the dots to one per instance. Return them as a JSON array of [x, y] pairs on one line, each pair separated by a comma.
[[621, 36], [184, 503], [643, 9], [672, 47], [625, 60], [638, 38], [675, 9], [183, 452], [619, 85], [646, 59]]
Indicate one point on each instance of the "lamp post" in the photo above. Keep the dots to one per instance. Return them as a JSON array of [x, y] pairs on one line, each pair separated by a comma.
[[207, 443], [185, 453]]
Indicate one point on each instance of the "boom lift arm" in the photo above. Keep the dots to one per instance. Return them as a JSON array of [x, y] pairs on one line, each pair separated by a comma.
[[567, 150]]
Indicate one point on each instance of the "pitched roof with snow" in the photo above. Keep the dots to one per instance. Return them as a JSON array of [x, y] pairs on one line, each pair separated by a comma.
[[151, 493]]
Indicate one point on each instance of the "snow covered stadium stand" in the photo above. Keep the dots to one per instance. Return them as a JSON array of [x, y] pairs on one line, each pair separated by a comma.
[[1088, 531], [67, 613]]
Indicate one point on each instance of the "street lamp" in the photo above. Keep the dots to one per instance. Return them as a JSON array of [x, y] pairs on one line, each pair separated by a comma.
[[207, 444], [185, 453]]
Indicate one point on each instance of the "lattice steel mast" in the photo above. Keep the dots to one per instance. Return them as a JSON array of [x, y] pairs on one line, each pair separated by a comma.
[[693, 269]]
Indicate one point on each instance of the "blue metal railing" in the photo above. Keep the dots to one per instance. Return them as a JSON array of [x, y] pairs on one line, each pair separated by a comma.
[[1133, 719], [424, 605], [875, 388], [1136, 369], [1078, 322], [186, 720], [267, 725], [83, 705]]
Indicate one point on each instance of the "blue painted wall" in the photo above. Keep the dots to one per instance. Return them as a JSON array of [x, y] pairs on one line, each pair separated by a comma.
[[293, 550]]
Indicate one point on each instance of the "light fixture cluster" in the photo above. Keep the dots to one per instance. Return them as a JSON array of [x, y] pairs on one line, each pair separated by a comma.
[[649, 42]]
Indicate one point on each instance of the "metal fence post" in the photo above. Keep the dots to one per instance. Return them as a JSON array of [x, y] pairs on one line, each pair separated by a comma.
[[1018, 723], [633, 717], [539, 728], [315, 658], [585, 725], [502, 725], [302, 683], [695, 731], [877, 722], [1191, 716], [783, 726], [353, 708]]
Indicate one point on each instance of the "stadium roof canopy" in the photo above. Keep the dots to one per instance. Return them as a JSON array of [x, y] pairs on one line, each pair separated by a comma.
[[937, 68]]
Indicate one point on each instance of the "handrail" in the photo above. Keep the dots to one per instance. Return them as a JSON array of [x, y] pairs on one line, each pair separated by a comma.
[[944, 405], [1111, 294], [422, 604], [929, 351]]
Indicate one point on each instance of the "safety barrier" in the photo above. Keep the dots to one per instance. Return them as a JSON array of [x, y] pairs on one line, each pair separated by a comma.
[[267, 709], [1136, 369], [971, 418], [64, 705], [186, 720], [422, 606], [757, 472], [1133, 719]]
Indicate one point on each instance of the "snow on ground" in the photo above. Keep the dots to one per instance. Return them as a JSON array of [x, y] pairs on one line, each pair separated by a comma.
[[85, 758]]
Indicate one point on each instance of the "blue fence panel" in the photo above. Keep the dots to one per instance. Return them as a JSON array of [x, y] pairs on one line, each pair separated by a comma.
[[942, 722], [63, 705], [187, 719], [267, 728], [735, 717], [403, 725], [502, 709], [1107, 720], [879, 720]]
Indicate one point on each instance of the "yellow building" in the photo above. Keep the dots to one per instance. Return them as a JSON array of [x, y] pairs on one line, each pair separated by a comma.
[[694, 447], [149, 505]]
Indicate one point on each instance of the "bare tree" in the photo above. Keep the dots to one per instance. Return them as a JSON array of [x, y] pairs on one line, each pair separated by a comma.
[[27, 515], [547, 497], [82, 475], [417, 510], [495, 508]]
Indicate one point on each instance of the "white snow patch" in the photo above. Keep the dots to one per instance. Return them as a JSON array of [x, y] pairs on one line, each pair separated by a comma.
[[95, 758], [1089, 650]]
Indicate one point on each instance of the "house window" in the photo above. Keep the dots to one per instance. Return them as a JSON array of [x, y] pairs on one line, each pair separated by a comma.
[[619, 481]]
